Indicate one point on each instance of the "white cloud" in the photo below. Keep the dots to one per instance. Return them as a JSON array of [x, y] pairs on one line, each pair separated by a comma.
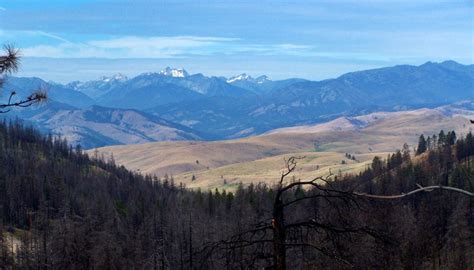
[[157, 47], [404, 45], [123, 47], [158, 42]]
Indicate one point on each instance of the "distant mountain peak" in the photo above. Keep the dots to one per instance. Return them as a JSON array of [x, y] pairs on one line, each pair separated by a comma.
[[240, 77], [245, 77], [116, 77], [262, 79], [450, 62], [174, 72]]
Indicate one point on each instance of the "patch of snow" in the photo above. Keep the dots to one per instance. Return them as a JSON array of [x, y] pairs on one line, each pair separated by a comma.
[[245, 77], [240, 77], [174, 72], [117, 77]]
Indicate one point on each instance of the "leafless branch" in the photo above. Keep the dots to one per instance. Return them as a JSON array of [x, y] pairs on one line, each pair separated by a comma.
[[290, 167], [420, 189]]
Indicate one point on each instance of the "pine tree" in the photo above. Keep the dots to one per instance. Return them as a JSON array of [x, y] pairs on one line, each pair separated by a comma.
[[421, 145], [451, 139], [442, 139]]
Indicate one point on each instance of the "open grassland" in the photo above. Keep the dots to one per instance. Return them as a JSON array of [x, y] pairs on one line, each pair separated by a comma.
[[268, 170], [225, 164]]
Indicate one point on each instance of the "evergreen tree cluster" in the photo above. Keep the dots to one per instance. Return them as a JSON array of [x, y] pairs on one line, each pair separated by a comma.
[[435, 141]]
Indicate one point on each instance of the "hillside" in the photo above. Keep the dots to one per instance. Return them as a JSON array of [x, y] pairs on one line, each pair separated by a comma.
[[64, 210], [97, 126], [241, 160], [57, 92]]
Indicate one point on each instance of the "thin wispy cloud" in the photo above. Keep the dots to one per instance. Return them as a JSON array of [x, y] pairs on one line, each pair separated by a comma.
[[31, 34], [2, 9], [56, 37], [157, 47]]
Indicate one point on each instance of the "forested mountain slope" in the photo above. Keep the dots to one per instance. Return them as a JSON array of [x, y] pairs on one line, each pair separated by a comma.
[[68, 211]]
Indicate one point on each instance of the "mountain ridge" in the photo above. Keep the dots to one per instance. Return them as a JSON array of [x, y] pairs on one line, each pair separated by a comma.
[[247, 107]]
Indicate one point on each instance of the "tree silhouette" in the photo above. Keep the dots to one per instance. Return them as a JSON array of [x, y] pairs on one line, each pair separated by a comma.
[[422, 145]]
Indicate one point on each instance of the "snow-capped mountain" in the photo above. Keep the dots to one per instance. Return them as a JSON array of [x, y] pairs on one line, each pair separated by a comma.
[[257, 85], [240, 77], [77, 85], [262, 79], [117, 77], [245, 77], [149, 90], [97, 88], [174, 72]]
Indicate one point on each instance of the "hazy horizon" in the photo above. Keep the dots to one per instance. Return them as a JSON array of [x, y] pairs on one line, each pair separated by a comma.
[[33, 67]]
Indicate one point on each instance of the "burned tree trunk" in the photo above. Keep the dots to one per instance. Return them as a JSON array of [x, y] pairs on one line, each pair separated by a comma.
[[279, 235]]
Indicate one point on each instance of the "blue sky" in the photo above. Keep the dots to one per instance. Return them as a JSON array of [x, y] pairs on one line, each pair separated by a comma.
[[79, 40]]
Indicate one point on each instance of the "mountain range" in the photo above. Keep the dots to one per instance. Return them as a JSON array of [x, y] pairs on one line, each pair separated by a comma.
[[175, 105]]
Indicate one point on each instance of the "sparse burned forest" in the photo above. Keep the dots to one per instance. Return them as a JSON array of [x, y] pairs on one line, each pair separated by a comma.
[[62, 209]]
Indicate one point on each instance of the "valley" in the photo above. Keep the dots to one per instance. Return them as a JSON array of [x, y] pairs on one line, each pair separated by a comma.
[[217, 132], [225, 164]]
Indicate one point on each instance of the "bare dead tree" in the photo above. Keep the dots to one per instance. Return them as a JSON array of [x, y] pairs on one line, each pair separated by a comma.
[[322, 186], [9, 63], [271, 238], [271, 241]]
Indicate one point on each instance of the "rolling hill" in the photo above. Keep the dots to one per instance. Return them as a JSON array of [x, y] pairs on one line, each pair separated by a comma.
[[259, 158]]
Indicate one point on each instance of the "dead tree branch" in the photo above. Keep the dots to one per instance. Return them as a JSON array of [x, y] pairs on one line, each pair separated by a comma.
[[420, 189]]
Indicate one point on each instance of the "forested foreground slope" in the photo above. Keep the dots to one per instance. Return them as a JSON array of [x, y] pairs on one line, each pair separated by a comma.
[[66, 210]]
